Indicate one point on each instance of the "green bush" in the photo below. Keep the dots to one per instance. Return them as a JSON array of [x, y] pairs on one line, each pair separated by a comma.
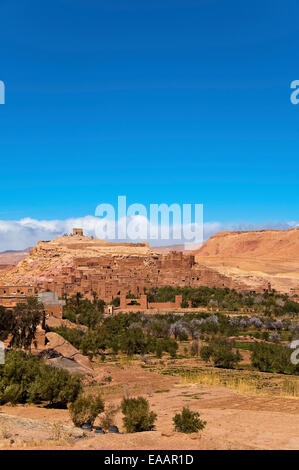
[[115, 302], [25, 319], [133, 341], [84, 311], [56, 386], [188, 421], [25, 378], [222, 354], [170, 346], [12, 394], [6, 322], [72, 335], [159, 349], [85, 409], [137, 415], [273, 358], [205, 353]]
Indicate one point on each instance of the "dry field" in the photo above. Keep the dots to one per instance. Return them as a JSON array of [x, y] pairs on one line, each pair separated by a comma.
[[243, 410]]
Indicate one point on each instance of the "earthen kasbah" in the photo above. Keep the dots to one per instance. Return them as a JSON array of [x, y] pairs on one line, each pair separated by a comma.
[[76, 263]]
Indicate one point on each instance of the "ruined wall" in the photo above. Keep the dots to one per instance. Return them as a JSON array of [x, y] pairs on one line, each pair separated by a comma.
[[167, 305], [133, 304]]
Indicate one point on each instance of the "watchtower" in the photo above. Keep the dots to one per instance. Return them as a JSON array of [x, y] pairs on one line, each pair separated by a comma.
[[78, 231]]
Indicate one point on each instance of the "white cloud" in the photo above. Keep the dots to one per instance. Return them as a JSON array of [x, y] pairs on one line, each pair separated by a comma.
[[24, 233]]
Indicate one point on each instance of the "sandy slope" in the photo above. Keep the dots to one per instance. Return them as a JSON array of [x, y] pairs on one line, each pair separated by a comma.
[[271, 254], [13, 257]]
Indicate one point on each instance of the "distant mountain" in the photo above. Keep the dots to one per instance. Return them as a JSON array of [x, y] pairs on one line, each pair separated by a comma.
[[273, 254], [11, 257]]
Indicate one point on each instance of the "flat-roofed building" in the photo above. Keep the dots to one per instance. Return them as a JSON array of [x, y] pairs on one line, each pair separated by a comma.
[[10, 296]]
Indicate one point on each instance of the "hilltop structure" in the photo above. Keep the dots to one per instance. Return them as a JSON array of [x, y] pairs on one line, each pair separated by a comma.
[[76, 263]]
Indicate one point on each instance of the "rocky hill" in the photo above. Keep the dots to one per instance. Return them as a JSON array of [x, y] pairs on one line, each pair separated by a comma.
[[72, 264], [234, 259], [49, 258], [272, 254], [8, 258]]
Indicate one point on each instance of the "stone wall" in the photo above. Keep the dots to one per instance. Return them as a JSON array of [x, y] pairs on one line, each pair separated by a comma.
[[115, 276]]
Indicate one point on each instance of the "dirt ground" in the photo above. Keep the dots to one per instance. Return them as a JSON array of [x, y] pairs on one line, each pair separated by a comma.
[[234, 420]]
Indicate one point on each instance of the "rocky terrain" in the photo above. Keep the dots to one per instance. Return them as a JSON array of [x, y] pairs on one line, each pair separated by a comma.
[[50, 257], [241, 259], [8, 258], [268, 254], [60, 353], [71, 264], [234, 420]]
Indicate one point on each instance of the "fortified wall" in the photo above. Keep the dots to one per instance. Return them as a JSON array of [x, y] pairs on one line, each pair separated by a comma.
[[111, 277], [75, 263]]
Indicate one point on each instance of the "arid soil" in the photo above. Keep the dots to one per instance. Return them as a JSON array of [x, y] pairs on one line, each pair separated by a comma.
[[269, 254], [13, 257], [234, 420]]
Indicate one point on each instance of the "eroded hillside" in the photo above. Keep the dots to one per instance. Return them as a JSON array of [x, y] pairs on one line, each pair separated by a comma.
[[271, 254]]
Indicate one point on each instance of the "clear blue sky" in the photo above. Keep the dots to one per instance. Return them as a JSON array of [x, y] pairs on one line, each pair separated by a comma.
[[162, 101]]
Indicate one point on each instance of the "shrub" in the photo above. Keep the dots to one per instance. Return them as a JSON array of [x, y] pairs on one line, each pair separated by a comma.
[[12, 394], [6, 322], [188, 421], [26, 318], [25, 378], [108, 417], [56, 386], [159, 349], [272, 358], [194, 348], [205, 353], [85, 409], [84, 311], [274, 337], [171, 346], [137, 415], [133, 341], [222, 354], [225, 357], [115, 302], [265, 335]]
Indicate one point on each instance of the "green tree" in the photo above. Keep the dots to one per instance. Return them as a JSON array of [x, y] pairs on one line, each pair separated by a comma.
[[26, 318], [26, 378], [56, 386], [6, 322], [84, 311], [222, 354], [272, 358]]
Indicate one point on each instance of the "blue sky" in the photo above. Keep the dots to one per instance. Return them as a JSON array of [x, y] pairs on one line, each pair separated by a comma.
[[183, 101]]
